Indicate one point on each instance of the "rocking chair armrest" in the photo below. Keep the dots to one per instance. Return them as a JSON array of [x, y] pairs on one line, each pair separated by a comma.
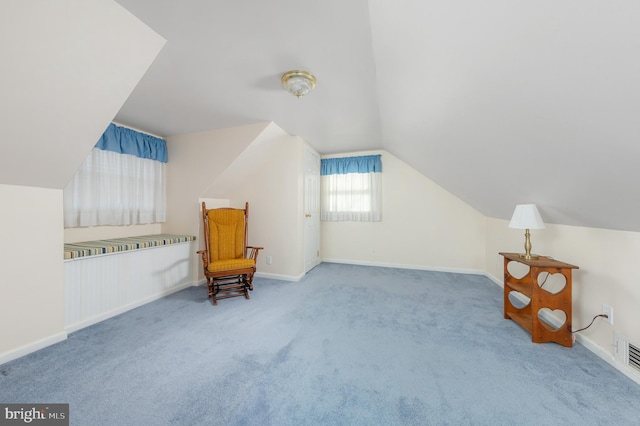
[[252, 252], [205, 258]]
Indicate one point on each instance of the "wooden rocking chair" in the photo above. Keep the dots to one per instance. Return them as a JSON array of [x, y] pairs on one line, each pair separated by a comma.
[[228, 262]]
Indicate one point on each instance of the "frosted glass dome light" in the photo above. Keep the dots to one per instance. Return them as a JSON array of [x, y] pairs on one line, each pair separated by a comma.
[[298, 82]]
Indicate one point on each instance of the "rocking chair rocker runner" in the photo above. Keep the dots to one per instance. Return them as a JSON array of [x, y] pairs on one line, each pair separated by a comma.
[[228, 262]]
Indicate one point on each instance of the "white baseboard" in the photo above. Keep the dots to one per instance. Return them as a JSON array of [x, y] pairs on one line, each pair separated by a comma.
[[494, 279], [279, 277], [403, 266], [610, 359], [265, 275], [32, 347]]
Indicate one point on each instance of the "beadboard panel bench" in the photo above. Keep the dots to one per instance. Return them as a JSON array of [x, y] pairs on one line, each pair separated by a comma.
[[105, 278]]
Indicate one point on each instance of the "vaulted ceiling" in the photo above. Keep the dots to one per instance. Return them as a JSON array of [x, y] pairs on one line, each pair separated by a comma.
[[500, 102]]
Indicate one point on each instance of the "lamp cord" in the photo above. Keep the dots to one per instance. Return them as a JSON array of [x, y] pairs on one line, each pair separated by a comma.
[[591, 323], [545, 279]]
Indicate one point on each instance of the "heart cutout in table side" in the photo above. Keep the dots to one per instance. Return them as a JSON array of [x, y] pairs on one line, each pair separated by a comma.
[[552, 320], [552, 283], [517, 270], [518, 300]]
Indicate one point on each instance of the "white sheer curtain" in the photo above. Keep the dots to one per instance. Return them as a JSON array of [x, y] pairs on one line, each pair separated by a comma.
[[115, 189], [354, 196], [351, 189]]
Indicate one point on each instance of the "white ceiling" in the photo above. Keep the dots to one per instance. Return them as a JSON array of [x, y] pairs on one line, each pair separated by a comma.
[[501, 102]]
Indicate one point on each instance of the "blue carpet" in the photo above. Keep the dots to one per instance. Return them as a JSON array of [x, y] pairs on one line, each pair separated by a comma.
[[347, 345]]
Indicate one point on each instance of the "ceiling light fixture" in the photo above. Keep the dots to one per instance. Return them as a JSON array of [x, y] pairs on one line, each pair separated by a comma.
[[298, 82]]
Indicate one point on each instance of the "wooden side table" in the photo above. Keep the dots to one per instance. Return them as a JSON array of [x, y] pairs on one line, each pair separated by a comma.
[[530, 286]]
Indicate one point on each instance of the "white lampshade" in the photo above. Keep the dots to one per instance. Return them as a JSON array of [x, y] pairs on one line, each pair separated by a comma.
[[526, 216]]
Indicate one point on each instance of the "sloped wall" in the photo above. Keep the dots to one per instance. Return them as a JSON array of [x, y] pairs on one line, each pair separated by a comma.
[[68, 66], [423, 226], [268, 174], [258, 163], [195, 161]]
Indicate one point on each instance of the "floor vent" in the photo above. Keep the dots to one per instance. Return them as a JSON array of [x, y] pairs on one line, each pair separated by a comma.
[[627, 353]]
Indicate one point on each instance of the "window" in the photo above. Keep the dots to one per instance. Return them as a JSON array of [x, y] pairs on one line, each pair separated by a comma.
[[121, 182], [351, 188]]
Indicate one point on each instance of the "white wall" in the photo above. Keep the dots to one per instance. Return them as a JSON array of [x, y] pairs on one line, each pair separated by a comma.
[[608, 274], [32, 283], [260, 164], [68, 66], [195, 161], [273, 187], [423, 226]]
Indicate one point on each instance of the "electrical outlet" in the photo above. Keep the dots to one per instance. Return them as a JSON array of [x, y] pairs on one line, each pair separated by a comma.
[[269, 260], [608, 311]]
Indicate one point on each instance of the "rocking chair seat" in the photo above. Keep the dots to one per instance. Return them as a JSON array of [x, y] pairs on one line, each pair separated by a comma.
[[230, 265]]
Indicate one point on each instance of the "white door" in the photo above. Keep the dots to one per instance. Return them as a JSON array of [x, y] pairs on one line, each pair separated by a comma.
[[311, 209]]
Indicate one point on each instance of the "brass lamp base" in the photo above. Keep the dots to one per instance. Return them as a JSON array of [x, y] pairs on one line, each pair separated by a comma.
[[529, 256], [527, 247]]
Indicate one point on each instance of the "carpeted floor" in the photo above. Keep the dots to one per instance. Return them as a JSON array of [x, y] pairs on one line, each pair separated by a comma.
[[347, 345]]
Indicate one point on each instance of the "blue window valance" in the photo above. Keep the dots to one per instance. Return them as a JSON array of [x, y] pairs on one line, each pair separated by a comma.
[[346, 165], [128, 141]]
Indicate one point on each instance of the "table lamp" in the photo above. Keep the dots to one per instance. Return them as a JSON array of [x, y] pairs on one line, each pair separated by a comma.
[[526, 216]]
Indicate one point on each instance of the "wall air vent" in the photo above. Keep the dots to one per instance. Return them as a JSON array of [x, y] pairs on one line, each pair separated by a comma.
[[627, 353]]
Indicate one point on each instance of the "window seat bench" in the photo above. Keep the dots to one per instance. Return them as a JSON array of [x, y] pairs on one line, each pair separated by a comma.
[[115, 245], [105, 278]]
